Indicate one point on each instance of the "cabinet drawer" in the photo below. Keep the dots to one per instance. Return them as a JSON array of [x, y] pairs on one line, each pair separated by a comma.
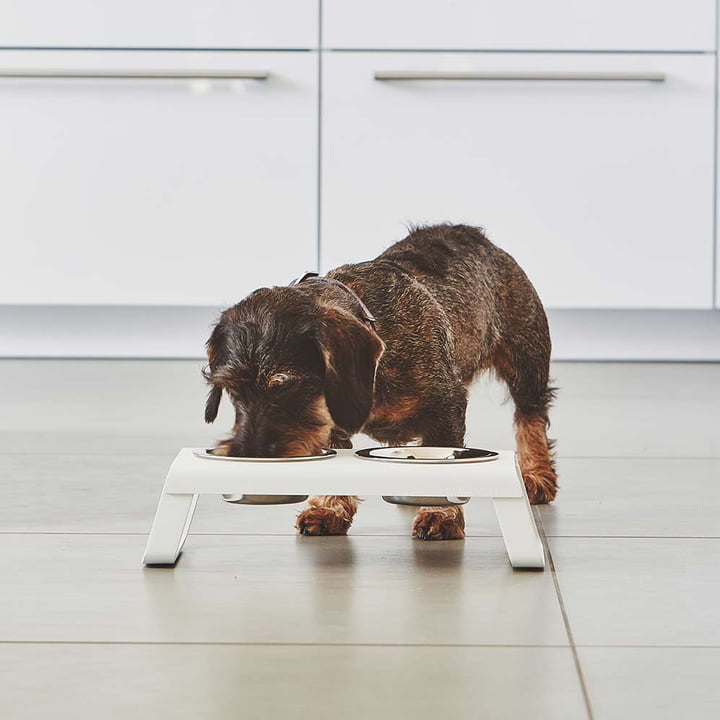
[[520, 25], [159, 24], [601, 189], [149, 189]]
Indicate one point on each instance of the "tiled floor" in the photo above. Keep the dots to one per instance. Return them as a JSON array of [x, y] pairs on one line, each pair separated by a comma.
[[255, 622]]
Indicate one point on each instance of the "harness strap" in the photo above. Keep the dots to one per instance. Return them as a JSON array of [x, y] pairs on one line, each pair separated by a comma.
[[315, 277]]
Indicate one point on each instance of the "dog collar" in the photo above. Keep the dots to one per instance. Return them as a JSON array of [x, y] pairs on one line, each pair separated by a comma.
[[315, 277]]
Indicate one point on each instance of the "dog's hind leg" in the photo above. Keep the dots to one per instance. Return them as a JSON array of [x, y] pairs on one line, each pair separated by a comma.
[[526, 370], [329, 514]]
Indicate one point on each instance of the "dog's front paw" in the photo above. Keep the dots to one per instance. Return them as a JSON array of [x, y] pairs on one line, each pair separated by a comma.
[[447, 523], [541, 488], [322, 521], [222, 448]]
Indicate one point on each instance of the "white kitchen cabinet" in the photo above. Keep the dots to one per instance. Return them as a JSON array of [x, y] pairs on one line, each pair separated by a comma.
[[629, 25], [140, 24], [602, 190], [156, 190]]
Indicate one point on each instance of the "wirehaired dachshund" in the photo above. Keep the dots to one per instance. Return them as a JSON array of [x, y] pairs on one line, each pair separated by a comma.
[[389, 347]]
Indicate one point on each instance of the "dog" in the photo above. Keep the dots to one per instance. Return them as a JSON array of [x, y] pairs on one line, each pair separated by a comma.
[[389, 347]]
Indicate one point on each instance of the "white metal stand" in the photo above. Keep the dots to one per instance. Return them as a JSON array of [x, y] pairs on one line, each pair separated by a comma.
[[190, 476]]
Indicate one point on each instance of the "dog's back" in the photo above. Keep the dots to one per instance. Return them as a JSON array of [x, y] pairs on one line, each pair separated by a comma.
[[483, 293]]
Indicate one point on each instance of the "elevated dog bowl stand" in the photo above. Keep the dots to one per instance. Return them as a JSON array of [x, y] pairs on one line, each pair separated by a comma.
[[345, 474]]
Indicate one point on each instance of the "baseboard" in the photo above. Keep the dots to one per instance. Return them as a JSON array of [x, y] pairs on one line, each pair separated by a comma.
[[636, 335], [180, 332]]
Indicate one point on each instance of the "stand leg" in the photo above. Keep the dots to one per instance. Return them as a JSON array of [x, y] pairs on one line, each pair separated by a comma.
[[522, 540], [169, 529]]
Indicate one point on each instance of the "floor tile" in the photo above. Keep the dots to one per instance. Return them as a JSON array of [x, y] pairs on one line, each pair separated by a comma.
[[644, 427], [652, 683], [275, 589], [119, 493], [80, 493], [154, 682], [110, 395], [105, 406], [615, 410], [95, 441], [640, 591], [138, 407], [626, 497]]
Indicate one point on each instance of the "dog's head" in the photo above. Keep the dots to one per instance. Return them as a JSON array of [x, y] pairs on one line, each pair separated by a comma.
[[294, 369]]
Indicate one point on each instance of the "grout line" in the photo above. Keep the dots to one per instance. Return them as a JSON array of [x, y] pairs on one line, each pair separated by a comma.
[[621, 458], [566, 621], [625, 537], [654, 647], [318, 257], [230, 643], [272, 644], [74, 533], [170, 454], [140, 533], [619, 360]]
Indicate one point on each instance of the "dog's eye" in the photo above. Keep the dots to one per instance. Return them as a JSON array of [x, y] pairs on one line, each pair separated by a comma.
[[279, 379]]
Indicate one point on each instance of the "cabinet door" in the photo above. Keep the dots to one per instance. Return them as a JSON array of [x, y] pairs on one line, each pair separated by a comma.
[[140, 24], [156, 190], [621, 25], [601, 189]]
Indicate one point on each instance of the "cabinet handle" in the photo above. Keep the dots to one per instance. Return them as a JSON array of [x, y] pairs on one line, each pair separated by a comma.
[[137, 75], [526, 76]]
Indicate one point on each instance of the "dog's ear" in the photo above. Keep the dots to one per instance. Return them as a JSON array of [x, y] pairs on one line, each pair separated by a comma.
[[212, 403], [214, 346], [351, 351]]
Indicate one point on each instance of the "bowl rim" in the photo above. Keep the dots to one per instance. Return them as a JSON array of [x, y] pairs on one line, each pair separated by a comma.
[[485, 456], [206, 454]]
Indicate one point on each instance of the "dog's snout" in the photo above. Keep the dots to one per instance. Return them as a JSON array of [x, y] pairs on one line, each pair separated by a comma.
[[265, 442], [256, 437], [247, 447]]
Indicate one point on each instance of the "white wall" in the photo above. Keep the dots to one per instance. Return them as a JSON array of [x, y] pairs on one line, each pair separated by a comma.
[[135, 207]]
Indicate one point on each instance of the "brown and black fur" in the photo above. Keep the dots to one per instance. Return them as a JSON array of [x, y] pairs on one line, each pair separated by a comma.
[[305, 371]]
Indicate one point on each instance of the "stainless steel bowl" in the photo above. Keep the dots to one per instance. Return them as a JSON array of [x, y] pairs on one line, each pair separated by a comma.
[[426, 454], [263, 499], [243, 499], [424, 501]]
